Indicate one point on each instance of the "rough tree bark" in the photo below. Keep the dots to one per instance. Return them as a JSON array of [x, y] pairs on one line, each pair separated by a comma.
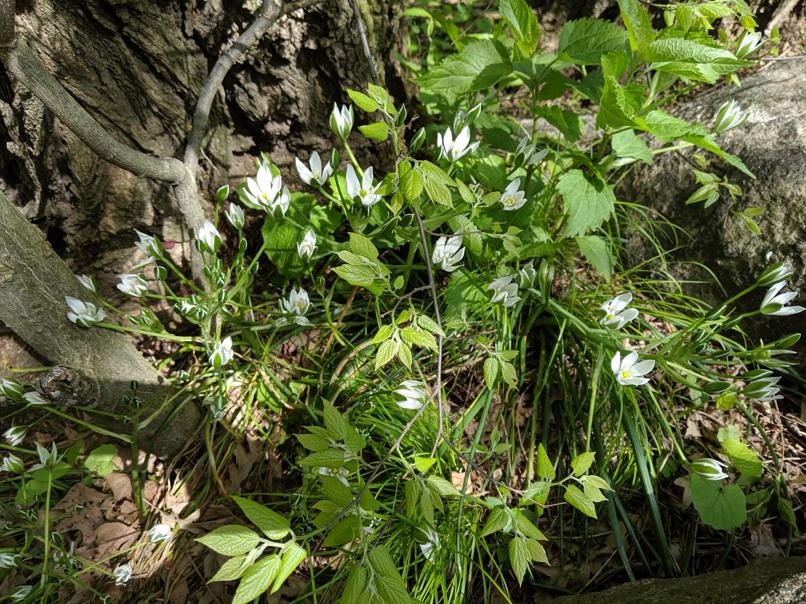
[[95, 365]]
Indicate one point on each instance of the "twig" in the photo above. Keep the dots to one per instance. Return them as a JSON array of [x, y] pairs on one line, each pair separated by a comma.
[[438, 317], [362, 33], [269, 14]]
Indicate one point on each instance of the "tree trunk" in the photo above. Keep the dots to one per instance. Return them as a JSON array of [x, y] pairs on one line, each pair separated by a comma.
[[137, 66], [95, 367]]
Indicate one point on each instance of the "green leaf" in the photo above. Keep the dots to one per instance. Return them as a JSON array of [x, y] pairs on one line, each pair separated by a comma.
[[292, 557], [231, 569], [524, 526], [723, 508], [429, 324], [420, 338], [329, 458], [257, 579], [743, 458], [437, 192], [597, 252], [588, 204], [639, 25], [404, 354], [478, 66], [313, 442], [356, 587], [423, 464], [442, 486], [545, 469], [231, 540], [334, 421], [536, 551], [363, 246], [627, 144], [585, 40], [490, 371], [519, 557], [386, 352], [498, 520], [411, 184], [567, 122], [668, 128], [363, 101], [100, 459], [523, 22], [582, 462], [579, 500], [384, 333], [377, 131], [268, 521]]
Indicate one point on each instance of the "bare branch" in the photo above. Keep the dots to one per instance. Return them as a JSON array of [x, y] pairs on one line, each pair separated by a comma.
[[269, 13]]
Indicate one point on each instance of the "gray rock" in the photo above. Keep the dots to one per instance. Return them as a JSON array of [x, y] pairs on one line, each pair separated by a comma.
[[769, 581], [772, 143]]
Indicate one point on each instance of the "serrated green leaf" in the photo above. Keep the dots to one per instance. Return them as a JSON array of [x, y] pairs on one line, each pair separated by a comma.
[[545, 469], [579, 500], [313, 442], [231, 569], [490, 371], [442, 486], [423, 464], [329, 458], [567, 122], [523, 22], [429, 324], [587, 204], [362, 101], [536, 551], [582, 462], [384, 333], [478, 66], [420, 338], [377, 131], [334, 421], [256, 579], [585, 40], [292, 557], [629, 145], [404, 354], [363, 246], [743, 458], [386, 352], [524, 526], [268, 521], [519, 557], [411, 184], [499, 519], [356, 586], [597, 252], [231, 540], [639, 25], [437, 192]]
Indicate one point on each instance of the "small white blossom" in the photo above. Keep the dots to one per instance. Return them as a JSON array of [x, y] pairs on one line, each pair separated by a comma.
[[513, 198], [14, 435], [729, 115], [341, 120], [617, 315], [208, 237], [148, 244], [527, 275], [629, 371], [133, 285], [34, 398], [8, 560], [21, 593], [12, 464], [317, 173], [235, 216], [11, 389], [448, 253], [774, 274], [122, 574], [747, 44], [83, 314], [87, 282], [775, 303], [222, 353], [297, 304], [365, 189], [431, 544], [505, 291], [307, 246], [455, 149], [266, 192], [711, 469], [160, 533], [413, 394]]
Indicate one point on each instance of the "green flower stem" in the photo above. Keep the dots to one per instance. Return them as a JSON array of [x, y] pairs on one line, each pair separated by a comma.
[[46, 556]]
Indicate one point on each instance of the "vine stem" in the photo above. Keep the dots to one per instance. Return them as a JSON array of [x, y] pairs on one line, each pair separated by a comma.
[[438, 317]]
